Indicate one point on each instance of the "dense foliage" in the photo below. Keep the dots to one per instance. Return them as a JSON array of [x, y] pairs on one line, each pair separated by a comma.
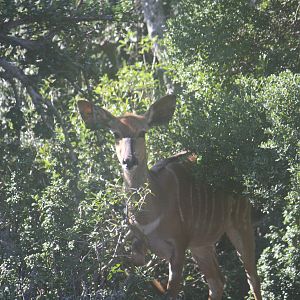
[[62, 221]]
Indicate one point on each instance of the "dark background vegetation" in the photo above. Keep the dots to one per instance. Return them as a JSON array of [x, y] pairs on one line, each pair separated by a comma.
[[235, 67]]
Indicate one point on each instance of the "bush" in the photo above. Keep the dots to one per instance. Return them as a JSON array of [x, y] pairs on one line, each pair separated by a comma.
[[246, 135]]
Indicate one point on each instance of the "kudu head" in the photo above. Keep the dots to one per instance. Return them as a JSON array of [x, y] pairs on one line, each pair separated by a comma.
[[130, 129]]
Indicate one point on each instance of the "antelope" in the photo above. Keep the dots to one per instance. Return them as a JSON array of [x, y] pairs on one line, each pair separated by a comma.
[[180, 213]]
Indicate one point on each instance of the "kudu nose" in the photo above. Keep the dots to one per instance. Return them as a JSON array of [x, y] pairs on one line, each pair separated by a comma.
[[130, 162]]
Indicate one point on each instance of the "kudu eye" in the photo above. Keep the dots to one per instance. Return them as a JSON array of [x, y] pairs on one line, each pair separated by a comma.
[[142, 134]]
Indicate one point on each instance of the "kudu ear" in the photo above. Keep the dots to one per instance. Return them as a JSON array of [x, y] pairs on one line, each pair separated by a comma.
[[161, 111], [93, 116]]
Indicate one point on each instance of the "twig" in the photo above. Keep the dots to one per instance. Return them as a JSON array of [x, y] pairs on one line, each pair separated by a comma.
[[296, 14]]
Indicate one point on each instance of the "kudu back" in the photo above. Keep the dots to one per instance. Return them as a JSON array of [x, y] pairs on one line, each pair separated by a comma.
[[179, 213]]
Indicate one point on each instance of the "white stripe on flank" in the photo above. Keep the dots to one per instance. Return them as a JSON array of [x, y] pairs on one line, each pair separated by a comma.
[[210, 221], [246, 215], [197, 222], [229, 207], [221, 221], [206, 206], [191, 200], [222, 210], [177, 193], [237, 209]]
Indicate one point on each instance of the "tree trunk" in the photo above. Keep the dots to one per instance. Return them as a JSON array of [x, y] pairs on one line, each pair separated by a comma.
[[156, 24]]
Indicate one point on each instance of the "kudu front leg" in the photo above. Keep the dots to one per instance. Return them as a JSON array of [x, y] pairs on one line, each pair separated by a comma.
[[208, 265], [175, 274]]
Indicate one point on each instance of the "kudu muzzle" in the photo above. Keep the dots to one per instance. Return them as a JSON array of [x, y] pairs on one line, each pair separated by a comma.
[[129, 159]]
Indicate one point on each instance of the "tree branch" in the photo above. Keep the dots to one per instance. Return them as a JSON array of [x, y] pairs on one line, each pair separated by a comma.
[[51, 18], [27, 44], [13, 71]]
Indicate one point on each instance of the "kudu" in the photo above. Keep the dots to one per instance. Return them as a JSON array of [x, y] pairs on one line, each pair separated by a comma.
[[179, 213]]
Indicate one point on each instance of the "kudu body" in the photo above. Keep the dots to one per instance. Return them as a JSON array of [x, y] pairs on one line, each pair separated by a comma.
[[179, 213]]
